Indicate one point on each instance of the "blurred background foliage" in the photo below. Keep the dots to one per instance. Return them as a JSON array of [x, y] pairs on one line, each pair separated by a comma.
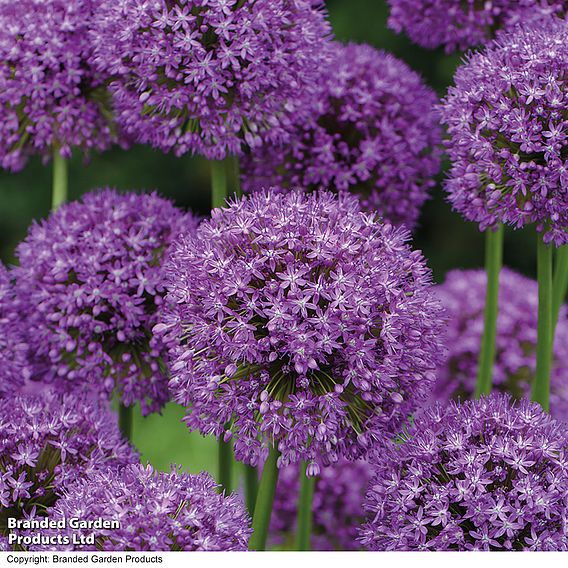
[[446, 240]]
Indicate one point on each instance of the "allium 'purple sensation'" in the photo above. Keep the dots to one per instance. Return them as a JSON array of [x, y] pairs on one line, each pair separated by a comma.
[[91, 277], [49, 94], [508, 132], [210, 76], [156, 511], [14, 362], [47, 441], [298, 320], [463, 297], [373, 131], [459, 24], [483, 475], [337, 505]]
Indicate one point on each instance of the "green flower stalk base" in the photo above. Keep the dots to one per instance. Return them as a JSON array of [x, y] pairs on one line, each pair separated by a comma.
[[305, 515], [251, 487], [60, 180], [493, 263], [218, 184], [125, 421], [541, 388], [264, 502], [225, 450], [560, 283]]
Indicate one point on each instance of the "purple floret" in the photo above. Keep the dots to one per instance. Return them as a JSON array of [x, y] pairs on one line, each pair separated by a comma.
[[337, 506], [508, 132], [460, 24], [463, 297], [488, 474], [298, 320], [372, 131], [46, 442], [210, 76], [90, 278], [156, 511], [50, 96]]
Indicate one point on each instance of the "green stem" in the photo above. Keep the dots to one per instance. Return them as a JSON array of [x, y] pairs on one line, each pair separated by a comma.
[[541, 388], [125, 421], [264, 501], [251, 487], [493, 263], [305, 502], [237, 176], [60, 180], [218, 183], [560, 283], [225, 453]]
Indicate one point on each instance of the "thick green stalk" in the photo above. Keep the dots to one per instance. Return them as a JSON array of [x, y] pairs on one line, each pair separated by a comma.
[[305, 516], [264, 501], [225, 453], [560, 283], [237, 176], [251, 487], [541, 387], [218, 183], [493, 263], [125, 421], [60, 180]]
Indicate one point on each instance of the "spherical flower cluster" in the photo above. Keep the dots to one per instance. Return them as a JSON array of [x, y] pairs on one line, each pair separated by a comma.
[[463, 297], [156, 511], [209, 76], [47, 441], [337, 505], [373, 131], [90, 276], [49, 94], [483, 475], [299, 321], [508, 132], [14, 350], [459, 24]]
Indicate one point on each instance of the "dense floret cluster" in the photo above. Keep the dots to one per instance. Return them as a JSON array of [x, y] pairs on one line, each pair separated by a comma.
[[459, 24], [463, 297], [90, 277], [508, 132], [373, 131], [482, 475], [209, 76], [297, 320], [156, 511], [337, 506], [46, 442], [50, 97]]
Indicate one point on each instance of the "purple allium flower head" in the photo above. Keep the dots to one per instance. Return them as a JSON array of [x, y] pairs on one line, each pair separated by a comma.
[[459, 24], [337, 506], [49, 93], [47, 441], [15, 368], [463, 297], [91, 277], [156, 511], [508, 132], [373, 131], [297, 320], [483, 475], [210, 76]]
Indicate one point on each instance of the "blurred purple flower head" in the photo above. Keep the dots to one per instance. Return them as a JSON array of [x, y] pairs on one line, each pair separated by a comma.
[[463, 297], [90, 278], [459, 24], [156, 511], [210, 76], [297, 320], [49, 94], [482, 475], [47, 441], [373, 131], [508, 132], [337, 506]]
